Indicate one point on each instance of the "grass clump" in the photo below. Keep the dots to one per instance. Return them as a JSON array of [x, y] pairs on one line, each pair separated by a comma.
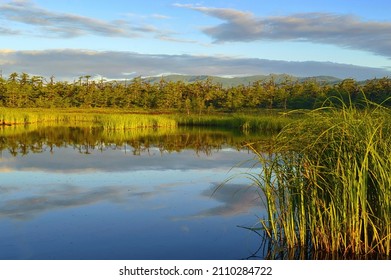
[[327, 182], [105, 119], [262, 122], [246, 123]]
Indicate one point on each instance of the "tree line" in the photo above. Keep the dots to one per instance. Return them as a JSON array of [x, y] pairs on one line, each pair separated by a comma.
[[25, 91]]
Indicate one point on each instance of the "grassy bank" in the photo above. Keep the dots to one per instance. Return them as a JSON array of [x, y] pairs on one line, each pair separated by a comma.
[[109, 119], [327, 183], [265, 122]]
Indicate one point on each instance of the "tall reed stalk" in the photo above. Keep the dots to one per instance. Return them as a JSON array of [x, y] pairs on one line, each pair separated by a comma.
[[116, 121], [327, 182], [246, 123]]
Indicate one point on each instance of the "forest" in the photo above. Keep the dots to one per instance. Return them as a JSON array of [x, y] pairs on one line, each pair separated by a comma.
[[21, 90]]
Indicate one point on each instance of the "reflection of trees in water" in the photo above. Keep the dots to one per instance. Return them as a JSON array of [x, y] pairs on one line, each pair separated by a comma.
[[136, 141]]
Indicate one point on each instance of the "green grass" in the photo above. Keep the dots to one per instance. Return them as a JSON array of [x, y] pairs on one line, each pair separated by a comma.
[[107, 119], [265, 122], [327, 183]]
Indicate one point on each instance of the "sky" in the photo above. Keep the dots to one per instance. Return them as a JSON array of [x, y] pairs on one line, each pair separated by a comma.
[[123, 39]]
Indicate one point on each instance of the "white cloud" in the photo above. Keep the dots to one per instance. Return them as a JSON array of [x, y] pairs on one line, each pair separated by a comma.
[[8, 31], [69, 64], [346, 31], [54, 24], [159, 16]]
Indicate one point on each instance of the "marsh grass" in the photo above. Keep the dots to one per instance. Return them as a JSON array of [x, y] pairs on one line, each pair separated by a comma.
[[114, 120], [265, 123], [327, 182]]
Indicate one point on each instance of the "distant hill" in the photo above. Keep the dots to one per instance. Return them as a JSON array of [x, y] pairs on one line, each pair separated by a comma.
[[235, 81]]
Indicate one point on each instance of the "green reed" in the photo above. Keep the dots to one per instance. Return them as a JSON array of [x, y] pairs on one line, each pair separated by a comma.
[[114, 120], [267, 123], [327, 182]]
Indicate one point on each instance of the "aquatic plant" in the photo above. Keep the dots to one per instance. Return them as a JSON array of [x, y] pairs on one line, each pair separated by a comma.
[[327, 182], [107, 119], [266, 123]]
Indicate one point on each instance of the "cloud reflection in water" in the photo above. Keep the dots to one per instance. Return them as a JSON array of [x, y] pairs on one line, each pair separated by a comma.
[[123, 200]]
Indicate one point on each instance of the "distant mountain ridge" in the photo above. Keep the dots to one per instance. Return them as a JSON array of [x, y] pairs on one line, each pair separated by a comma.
[[245, 80]]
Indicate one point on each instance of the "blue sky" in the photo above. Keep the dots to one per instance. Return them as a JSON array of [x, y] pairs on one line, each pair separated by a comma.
[[121, 39]]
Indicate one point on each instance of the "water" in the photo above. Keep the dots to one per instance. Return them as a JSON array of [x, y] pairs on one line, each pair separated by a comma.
[[83, 193]]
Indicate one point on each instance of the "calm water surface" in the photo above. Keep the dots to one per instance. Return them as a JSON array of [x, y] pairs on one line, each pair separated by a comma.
[[79, 193]]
